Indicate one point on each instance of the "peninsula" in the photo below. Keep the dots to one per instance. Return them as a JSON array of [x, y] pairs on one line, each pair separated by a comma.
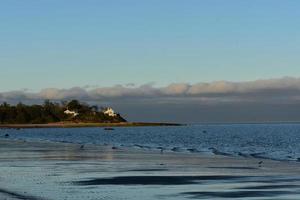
[[64, 115]]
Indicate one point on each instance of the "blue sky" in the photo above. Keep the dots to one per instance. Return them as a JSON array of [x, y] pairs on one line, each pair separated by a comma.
[[63, 44]]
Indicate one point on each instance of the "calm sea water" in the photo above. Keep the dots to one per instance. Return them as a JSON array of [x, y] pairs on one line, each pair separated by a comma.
[[274, 141]]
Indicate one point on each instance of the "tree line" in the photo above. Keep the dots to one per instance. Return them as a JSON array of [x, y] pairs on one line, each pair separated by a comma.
[[51, 112]]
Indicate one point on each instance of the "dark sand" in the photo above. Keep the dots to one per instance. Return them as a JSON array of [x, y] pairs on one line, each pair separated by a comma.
[[54, 171]]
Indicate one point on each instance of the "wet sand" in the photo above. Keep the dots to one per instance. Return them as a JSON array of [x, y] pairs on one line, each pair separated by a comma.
[[54, 171]]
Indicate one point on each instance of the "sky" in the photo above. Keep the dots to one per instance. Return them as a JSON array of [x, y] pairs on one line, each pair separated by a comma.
[[108, 51]]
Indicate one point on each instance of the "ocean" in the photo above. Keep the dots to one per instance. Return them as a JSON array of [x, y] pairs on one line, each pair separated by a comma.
[[270, 141]]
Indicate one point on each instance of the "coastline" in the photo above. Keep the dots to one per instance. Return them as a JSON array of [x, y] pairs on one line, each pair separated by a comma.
[[52, 170], [82, 124]]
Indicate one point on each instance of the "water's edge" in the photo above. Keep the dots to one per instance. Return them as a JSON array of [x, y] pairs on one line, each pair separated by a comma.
[[263, 141]]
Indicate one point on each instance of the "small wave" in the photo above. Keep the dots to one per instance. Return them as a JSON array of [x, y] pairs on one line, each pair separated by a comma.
[[259, 155], [193, 150], [217, 152], [142, 146], [244, 155], [176, 149]]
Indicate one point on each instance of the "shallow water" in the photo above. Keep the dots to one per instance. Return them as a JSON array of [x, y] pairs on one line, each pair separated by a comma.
[[274, 141], [54, 171]]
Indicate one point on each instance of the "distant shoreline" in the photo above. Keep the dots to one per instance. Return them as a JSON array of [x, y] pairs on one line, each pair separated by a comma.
[[81, 125]]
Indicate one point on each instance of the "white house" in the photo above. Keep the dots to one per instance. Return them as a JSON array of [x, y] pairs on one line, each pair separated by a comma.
[[110, 112], [69, 112]]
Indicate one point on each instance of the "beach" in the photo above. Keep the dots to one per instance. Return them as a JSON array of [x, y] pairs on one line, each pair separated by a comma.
[[40, 170]]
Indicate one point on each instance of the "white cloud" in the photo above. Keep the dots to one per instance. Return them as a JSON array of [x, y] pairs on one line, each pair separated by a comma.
[[56, 94], [176, 89]]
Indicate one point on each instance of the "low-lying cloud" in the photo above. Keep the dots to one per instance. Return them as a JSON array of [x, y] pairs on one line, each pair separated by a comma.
[[274, 89]]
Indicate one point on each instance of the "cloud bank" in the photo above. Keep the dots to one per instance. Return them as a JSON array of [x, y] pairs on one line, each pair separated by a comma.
[[286, 88], [221, 101]]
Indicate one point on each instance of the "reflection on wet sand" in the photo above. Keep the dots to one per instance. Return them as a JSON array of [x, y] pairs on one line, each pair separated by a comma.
[[237, 194], [44, 170]]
